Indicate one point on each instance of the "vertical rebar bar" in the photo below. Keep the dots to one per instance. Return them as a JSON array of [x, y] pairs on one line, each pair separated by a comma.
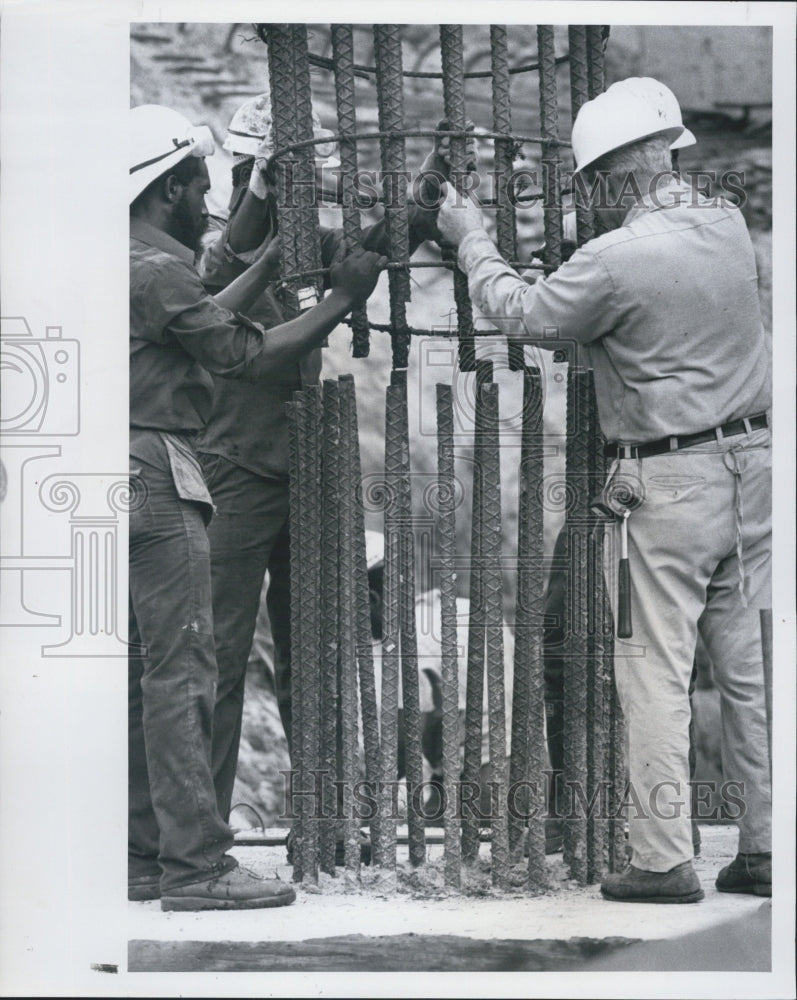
[[446, 496], [365, 659], [579, 94], [576, 647], [297, 624], [390, 98], [292, 121], [494, 637], [310, 650], [330, 546], [413, 756], [596, 45], [528, 705], [506, 227], [549, 117], [474, 693], [390, 628], [453, 65], [343, 58]]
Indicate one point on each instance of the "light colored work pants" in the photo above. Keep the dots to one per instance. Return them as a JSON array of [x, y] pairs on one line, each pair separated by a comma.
[[703, 529]]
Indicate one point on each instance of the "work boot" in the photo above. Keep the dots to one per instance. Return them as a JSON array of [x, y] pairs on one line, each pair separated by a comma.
[[634, 885], [747, 873], [236, 889], [141, 888]]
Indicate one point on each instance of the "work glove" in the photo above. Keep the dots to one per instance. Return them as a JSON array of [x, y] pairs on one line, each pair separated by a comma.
[[358, 273]]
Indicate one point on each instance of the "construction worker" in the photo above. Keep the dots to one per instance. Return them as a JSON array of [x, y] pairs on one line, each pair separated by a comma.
[[177, 840], [665, 303], [666, 106], [243, 448]]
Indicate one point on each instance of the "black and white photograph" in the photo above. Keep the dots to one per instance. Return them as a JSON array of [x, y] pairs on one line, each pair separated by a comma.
[[415, 594]]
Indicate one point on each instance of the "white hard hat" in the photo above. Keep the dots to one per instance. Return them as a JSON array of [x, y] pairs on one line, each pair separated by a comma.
[[251, 124], [660, 95], [614, 119], [374, 549], [159, 139]]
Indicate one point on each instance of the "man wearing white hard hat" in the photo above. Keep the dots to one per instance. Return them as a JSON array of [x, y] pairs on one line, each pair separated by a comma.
[[177, 841], [665, 305], [244, 445]]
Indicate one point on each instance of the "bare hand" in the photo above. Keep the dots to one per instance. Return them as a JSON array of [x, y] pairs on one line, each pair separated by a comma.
[[357, 274], [458, 216]]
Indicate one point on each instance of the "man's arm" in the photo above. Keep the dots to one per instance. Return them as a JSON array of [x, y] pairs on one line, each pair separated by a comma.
[[576, 302], [230, 345]]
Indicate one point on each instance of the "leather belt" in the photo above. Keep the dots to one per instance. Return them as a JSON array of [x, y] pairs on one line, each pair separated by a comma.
[[745, 425]]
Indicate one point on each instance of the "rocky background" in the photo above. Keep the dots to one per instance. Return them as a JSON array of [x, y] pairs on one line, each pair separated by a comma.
[[723, 79]]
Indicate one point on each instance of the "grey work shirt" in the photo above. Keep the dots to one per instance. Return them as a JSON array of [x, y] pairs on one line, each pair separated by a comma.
[[667, 306]]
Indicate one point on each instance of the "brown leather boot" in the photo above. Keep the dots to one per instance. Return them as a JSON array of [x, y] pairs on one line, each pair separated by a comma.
[[634, 885]]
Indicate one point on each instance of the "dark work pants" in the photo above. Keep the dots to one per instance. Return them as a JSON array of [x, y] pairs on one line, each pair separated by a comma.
[[174, 824], [248, 535]]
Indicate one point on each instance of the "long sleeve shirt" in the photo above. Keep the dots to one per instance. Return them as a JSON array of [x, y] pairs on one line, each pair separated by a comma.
[[666, 306]]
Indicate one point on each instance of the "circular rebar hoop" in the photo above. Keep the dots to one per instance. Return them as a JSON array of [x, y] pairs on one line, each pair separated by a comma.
[[446, 498]]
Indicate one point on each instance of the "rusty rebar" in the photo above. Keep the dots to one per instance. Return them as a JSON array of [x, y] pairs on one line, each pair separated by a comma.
[[330, 546], [390, 98], [343, 56], [365, 659], [446, 501], [597, 35], [506, 227]]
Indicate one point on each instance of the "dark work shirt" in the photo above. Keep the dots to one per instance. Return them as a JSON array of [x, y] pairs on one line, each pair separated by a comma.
[[178, 336]]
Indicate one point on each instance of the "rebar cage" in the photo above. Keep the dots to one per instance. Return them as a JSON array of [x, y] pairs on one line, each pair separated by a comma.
[[332, 661]]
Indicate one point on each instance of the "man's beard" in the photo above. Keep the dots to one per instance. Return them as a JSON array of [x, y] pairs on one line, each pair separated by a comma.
[[186, 229]]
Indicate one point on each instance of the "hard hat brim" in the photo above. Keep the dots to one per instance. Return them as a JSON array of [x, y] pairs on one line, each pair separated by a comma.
[[686, 138], [673, 133], [141, 179]]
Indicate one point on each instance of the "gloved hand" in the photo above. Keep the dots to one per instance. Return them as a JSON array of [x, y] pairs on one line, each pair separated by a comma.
[[458, 216], [262, 183], [436, 168], [357, 274]]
